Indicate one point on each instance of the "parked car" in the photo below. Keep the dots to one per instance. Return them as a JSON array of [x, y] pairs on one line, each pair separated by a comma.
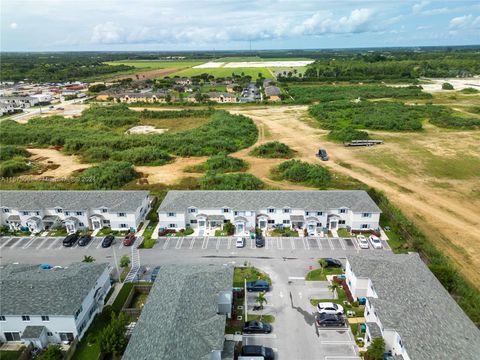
[[333, 263], [60, 108], [84, 240], [375, 241], [258, 350], [324, 320], [362, 242], [129, 239], [329, 308], [240, 243], [256, 327], [70, 240], [322, 154], [258, 285], [153, 275], [107, 241], [259, 241]]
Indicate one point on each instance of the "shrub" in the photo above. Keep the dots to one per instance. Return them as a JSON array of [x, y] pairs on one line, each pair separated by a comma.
[[13, 167], [97, 154], [272, 150], [108, 175], [112, 338], [124, 261], [447, 86], [469, 90], [8, 152], [376, 349], [347, 134], [53, 353], [229, 228], [220, 163], [301, 172], [148, 155], [236, 181]]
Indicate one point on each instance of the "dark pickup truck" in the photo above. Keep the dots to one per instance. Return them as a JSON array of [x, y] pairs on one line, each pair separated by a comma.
[[259, 285]]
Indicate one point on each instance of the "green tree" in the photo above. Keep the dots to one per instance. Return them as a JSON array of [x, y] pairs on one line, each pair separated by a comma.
[[112, 338], [229, 228], [447, 86], [323, 264], [124, 261], [334, 287], [97, 88], [88, 259], [260, 299], [53, 353], [376, 349]]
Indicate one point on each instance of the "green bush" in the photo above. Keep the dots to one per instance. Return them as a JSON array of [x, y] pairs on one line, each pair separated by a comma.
[[53, 353], [221, 163], [298, 171], [112, 339], [376, 349], [8, 152], [347, 134], [273, 150], [13, 167], [229, 228], [447, 86], [148, 155], [108, 175], [235, 181], [469, 90]]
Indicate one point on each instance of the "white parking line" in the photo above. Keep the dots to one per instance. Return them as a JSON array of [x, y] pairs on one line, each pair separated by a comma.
[[229, 242], [265, 336], [178, 245], [99, 244], [17, 243], [342, 244], [53, 243], [292, 242], [330, 243], [205, 242], [319, 243], [280, 243], [191, 243], [41, 243], [6, 242], [306, 245], [167, 241], [355, 244], [252, 243], [266, 243], [217, 246], [91, 242]]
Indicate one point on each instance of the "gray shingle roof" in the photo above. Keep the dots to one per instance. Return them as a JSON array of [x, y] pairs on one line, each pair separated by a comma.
[[32, 332], [115, 200], [413, 302], [179, 320], [29, 290], [356, 200], [272, 91]]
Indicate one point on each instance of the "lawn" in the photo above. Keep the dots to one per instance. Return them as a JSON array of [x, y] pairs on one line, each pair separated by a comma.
[[321, 274], [249, 273], [284, 232], [107, 231], [343, 233], [342, 298], [225, 72], [266, 318], [148, 242], [59, 232], [10, 355], [174, 125], [157, 64]]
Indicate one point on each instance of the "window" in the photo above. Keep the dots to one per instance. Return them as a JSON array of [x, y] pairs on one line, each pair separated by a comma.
[[271, 210], [271, 221], [66, 336], [106, 222], [79, 311], [45, 318], [122, 214], [59, 211], [364, 226], [81, 224], [286, 210], [25, 318], [366, 215], [193, 221], [235, 213], [104, 210], [49, 333], [37, 212], [12, 336], [6, 210], [67, 213], [319, 224], [307, 213], [343, 211], [341, 222], [123, 226], [24, 212], [192, 210], [171, 214], [2, 318], [226, 210], [79, 213], [172, 225], [286, 221], [319, 213]]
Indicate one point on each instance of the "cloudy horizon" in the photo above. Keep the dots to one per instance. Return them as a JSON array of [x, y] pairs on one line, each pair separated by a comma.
[[148, 25]]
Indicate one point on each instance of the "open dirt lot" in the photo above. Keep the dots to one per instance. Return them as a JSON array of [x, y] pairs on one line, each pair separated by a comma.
[[58, 164]]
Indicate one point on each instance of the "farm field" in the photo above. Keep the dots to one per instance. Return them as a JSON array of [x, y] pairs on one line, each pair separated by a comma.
[[157, 64], [225, 72]]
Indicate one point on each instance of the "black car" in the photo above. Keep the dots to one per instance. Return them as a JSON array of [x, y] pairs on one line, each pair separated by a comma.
[[256, 327], [84, 240], [325, 320], [258, 350], [258, 285], [259, 241], [70, 240], [107, 241], [322, 154], [333, 263]]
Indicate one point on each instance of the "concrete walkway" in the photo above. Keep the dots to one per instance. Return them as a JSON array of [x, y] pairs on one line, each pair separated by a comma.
[[155, 231], [95, 232], [334, 233], [116, 289], [144, 227]]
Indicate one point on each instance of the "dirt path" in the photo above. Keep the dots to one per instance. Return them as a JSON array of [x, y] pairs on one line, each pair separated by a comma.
[[58, 164], [450, 222], [170, 173]]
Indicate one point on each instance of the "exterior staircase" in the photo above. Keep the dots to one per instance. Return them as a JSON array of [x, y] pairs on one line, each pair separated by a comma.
[[135, 257]]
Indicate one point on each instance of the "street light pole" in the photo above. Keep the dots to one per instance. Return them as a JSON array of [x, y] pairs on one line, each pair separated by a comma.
[[245, 301], [116, 262]]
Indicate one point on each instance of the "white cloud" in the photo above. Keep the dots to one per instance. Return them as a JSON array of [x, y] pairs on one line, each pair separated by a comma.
[[108, 33], [464, 22], [13, 25], [417, 8]]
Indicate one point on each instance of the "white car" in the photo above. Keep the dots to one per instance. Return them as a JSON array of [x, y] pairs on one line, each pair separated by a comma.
[[240, 242], [362, 242], [329, 308], [375, 241]]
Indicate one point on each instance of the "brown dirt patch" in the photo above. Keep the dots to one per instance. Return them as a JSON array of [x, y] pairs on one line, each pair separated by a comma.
[[170, 173], [55, 163]]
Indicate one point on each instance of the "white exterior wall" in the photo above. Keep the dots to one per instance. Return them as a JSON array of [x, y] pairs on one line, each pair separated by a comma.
[[165, 220], [62, 324], [357, 220]]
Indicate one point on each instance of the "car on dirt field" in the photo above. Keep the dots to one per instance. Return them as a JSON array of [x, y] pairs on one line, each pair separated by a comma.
[[362, 242], [375, 241], [322, 154], [329, 308]]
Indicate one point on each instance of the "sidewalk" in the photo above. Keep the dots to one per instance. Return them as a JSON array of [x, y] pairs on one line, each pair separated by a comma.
[[95, 232], [116, 289], [144, 227], [334, 232], [155, 231]]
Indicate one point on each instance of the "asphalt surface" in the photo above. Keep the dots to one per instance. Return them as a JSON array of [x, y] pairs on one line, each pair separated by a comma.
[[286, 260]]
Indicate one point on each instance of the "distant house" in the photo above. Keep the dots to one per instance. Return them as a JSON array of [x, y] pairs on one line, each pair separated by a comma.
[[231, 88], [72, 209], [183, 81], [185, 315], [221, 97], [147, 97], [267, 82], [19, 102], [273, 93], [57, 305], [410, 309], [6, 108]]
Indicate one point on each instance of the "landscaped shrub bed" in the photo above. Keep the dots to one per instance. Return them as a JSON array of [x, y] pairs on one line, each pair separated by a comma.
[[464, 293], [301, 172], [273, 150]]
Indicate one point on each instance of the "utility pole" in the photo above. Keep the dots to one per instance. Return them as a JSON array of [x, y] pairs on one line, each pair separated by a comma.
[[116, 262], [245, 301]]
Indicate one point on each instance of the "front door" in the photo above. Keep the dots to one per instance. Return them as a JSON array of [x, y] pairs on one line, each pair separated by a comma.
[[201, 223], [333, 225], [96, 224], [262, 224], [240, 228], [70, 228]]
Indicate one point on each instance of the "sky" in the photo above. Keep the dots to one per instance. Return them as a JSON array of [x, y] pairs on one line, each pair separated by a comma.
[[135, 25]]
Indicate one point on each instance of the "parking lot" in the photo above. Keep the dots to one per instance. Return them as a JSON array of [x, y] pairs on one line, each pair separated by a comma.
[[273, 243]]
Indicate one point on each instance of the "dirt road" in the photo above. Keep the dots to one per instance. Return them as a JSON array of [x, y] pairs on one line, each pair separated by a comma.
[[450, 221]]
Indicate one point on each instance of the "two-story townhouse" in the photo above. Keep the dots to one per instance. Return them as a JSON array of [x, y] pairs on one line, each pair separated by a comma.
[[74, 210], [43, 306], [410, 309], [315, 211]]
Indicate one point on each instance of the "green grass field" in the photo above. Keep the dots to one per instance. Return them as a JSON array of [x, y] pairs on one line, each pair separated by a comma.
[[157, 64], [225, 72]]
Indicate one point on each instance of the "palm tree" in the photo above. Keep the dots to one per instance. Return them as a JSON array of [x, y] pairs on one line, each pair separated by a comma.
[[88, 259], [260, 299], [334, 289], [323, 264]]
